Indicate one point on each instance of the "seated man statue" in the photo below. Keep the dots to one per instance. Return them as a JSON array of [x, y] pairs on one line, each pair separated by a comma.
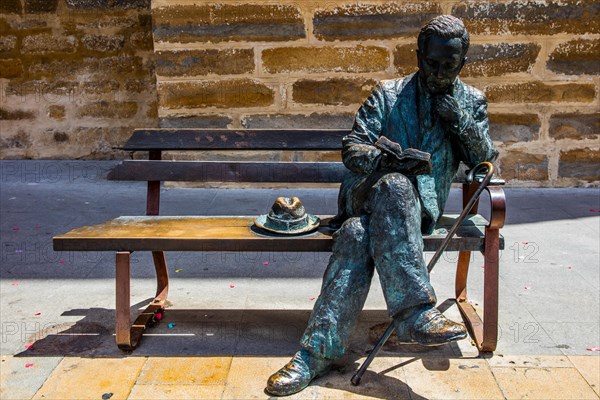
[[386, 209]]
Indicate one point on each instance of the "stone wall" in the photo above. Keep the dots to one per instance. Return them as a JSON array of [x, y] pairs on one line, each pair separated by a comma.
[[291, 64], [76, 76], [310, 64]]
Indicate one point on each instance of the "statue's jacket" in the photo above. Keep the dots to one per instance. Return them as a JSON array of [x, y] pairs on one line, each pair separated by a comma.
[[401, 110]]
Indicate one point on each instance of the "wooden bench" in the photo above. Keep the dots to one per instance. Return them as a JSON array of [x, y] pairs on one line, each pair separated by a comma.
[[236, 233]]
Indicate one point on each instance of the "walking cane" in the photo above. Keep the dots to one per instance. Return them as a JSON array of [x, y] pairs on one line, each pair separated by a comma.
[[390, 329]]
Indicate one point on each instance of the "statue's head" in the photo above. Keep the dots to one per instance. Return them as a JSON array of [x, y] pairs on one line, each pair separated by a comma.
[[442, 47]]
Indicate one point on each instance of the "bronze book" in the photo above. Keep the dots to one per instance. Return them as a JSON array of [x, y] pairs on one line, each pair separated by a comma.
[[408, 161]]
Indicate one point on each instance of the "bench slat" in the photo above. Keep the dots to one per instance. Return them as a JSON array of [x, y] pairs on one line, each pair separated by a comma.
[[230, 233], [238, 139], [228, 171]]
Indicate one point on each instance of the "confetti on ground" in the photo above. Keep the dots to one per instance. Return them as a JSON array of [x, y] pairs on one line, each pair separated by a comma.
[[15, 283], [524, 242], [311, 298], [28, 365], [158, 316], [172, 325], [265, 263], [62, 261], [231, 286], [527, 287], [569, 267], [178, 270], [38, 226], [18, 251], [107, 396], [594, 210], [593, 349], [29, 346], [16, 229], [37, 313]]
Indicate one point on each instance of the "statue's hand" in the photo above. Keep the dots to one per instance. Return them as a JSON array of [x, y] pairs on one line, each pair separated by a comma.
[[448, 109]]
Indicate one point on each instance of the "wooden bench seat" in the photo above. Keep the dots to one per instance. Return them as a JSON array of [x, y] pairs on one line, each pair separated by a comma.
[[158, 234], [234, 233]]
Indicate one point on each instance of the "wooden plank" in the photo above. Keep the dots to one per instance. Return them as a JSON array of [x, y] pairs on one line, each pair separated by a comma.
[[227, 233], [228, 171], [236, 139]]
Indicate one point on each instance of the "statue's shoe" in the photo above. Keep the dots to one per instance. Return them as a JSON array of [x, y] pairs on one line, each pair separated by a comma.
[[296, 374], [428, 326]]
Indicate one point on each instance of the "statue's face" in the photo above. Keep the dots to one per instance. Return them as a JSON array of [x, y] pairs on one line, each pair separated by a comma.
[[439, 63]]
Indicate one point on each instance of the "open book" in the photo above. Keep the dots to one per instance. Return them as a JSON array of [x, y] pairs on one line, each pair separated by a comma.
[[408, 161]]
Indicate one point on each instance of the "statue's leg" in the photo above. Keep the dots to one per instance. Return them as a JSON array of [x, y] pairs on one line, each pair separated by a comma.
[[344, 290], [396, 243]]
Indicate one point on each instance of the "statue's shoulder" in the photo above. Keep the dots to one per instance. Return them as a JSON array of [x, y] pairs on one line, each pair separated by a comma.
[[391, 88], [471, 93], [395, 85]]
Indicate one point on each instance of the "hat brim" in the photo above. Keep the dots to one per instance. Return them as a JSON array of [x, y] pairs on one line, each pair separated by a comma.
[[312, 223]]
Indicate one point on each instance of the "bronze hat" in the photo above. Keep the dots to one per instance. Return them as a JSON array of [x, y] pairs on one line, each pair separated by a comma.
[[287, 217]]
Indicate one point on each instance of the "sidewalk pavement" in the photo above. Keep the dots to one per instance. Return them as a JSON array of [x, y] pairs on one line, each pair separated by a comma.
[[235, 318]]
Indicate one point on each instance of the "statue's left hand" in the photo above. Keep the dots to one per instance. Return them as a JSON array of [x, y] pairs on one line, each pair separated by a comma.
[[448, 109]]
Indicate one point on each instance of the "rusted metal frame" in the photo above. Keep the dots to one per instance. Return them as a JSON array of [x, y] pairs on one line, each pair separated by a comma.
[[484, 332], [128, 335]]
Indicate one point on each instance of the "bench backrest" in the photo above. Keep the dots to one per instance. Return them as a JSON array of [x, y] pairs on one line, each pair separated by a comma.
[[155, 141]]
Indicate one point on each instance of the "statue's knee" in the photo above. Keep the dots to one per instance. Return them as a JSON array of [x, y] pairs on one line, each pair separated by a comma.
[[394, 185], [352, 230]]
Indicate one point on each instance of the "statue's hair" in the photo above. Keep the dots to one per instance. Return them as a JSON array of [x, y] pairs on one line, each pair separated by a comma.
[[447, 27]]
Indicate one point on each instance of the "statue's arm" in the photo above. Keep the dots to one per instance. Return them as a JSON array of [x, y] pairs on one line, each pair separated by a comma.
[[359, 153], [472, 134]]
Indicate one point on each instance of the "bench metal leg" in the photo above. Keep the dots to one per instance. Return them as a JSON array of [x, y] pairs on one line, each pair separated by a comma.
[[128, 335], [484, 333]]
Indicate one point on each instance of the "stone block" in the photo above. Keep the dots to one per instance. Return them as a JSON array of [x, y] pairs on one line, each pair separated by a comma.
[[7, 43], [576, 57], [500, 59], [107, 4], [103, 43], [514, 128], [48, 43], [11, 68], [405, 59], [204, 62], [11, 7], [142, 40], [139, 85], [357, 59], [42, 90], [196, 121], [574, 126], [56, 112], [335, 91], [233, 93], [228, 22], [40, 6], [98, 88], [523, 166], [580, 163], [297, 121], [124, 66], [539, 92], [373, 21], [20, 140], [106, 109], [15, 114], [529, 17]]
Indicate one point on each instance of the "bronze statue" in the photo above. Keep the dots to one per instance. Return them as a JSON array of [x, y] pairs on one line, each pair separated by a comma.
[[385, 206]]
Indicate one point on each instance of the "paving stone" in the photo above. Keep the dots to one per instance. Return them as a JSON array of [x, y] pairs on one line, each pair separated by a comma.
[[443, 378], [175, 392], [543, 383], [90, 378], [530, 361], [589, 368], [205, 371], [18, 381]]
